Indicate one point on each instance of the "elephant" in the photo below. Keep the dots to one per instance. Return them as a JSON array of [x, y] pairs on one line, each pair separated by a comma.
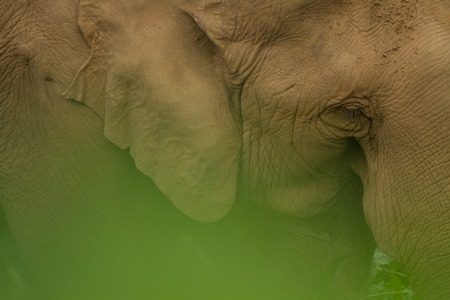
[[224, 149]]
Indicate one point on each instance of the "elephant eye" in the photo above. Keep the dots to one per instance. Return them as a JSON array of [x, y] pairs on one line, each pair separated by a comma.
[[346, 121], [353, 113], [348, 113]]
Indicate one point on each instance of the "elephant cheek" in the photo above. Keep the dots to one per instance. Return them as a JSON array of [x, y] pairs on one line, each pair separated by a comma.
[[304, 200]]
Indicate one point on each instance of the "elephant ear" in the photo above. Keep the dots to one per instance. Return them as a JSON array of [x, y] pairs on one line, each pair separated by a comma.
[[157, 85]]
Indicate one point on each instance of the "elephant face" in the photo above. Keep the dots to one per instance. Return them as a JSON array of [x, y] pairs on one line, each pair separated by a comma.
[[284, 104]]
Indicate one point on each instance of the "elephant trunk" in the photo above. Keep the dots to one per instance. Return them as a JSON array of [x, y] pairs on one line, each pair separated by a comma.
[[407, 205]]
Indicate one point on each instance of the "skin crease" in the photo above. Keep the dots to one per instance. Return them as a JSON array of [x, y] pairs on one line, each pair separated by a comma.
[[333, 113]]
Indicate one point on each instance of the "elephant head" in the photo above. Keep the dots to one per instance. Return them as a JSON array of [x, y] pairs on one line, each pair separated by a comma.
[[162, 95], [285, 104]]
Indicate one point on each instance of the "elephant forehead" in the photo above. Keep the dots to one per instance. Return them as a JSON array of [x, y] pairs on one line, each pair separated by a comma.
[[253, 21], [369, 42], [265, 20]]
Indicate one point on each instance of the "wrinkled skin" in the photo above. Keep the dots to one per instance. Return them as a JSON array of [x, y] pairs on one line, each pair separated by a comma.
[[295, 129]]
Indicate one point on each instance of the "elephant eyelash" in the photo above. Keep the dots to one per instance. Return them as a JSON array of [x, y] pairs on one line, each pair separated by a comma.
[[353, 113]]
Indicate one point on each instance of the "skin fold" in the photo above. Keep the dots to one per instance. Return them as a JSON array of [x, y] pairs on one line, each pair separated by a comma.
[[222, 149]]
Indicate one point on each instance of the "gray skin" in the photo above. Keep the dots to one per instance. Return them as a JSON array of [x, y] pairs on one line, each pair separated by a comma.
[[331, 113]]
